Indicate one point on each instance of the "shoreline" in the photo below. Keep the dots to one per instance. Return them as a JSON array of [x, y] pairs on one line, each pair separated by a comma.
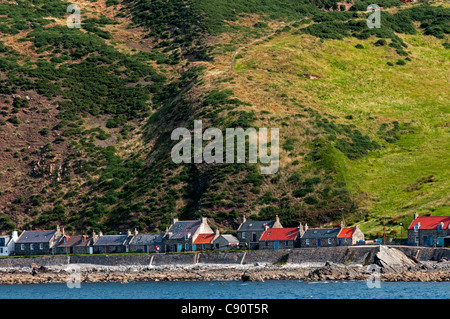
[[85, 273]]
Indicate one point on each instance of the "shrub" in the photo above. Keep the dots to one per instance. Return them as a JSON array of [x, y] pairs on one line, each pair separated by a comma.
[[380, 42]]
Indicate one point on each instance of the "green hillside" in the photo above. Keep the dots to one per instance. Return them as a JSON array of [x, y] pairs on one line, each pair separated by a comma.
[[87, 114]]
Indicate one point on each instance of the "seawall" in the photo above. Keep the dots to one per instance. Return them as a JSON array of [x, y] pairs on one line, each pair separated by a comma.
[[351, 255]]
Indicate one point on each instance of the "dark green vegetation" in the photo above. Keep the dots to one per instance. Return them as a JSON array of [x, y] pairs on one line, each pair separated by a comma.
[[100, 156]]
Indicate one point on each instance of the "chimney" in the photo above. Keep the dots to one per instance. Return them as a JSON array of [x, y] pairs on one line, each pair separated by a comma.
[[15, 235], [277, 219], [204, 220], [135, 232], [244, 219], [416, 215], [174, 220], [63, 233], [266, 227], [306, 227], [128, 232], [100, 234]]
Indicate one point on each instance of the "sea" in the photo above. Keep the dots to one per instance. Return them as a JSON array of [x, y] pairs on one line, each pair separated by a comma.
[[272, 289]]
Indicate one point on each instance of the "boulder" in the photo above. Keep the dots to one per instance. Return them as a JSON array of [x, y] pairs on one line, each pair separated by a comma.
[[393, 260], [251, 277]]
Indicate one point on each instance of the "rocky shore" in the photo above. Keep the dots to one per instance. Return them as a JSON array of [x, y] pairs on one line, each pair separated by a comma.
[[389, 265]]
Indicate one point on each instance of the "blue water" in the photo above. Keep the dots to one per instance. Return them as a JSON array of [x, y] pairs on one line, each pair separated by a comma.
[[231, 290]]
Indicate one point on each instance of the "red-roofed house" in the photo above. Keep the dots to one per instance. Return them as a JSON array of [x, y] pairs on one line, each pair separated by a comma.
[[204, 241], [428, 230], [278, 238], [350, 236]]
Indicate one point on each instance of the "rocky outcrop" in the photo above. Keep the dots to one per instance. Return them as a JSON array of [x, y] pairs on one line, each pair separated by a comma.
[[392, 260], [427, 271]]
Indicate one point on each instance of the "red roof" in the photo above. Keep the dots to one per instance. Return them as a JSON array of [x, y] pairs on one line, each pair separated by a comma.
[[204, 239], [280, 234], [430, 222], [346, 233]]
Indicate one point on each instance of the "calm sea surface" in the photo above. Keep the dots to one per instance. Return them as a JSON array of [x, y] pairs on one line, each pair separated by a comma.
[[231, 290]]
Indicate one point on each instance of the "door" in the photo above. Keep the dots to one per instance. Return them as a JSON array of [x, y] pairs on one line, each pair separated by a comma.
[[340, 242], [194, 247], [276, 244], [318, 242], [107, 249], [180, 247], [425, 240]]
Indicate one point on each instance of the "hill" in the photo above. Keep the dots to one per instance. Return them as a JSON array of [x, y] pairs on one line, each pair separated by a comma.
[[87, 114]]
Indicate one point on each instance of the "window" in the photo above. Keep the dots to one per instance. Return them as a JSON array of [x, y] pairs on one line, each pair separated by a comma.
[[416, 239], [186, 247], [2, 241], [287, 243], [41, 246], [22, 247], [416, 227], [1, 250], [186, 237], [307, 242], [243, 235], [266, 243], [31, 246], [329, 241]]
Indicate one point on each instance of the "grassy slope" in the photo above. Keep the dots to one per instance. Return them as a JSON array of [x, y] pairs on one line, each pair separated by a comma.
[[358, 82]]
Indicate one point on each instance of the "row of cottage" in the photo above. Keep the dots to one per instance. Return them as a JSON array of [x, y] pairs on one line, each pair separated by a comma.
[[193, 235]]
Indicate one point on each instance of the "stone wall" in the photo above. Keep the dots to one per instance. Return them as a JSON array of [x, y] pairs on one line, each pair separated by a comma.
[[220, 257], [342, 255], [174, 259], [425, 253], [27, 261], [111, 260]]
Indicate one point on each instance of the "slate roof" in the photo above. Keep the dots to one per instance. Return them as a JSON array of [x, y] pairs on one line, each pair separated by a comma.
[[147, 239], [74, 240], [36, 236], [181, 228], [280, 234], [231, 239], [321, 233], [257, 225], [430, 222], [113, 240]]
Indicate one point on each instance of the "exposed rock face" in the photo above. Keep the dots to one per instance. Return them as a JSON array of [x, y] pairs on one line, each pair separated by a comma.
[[392, 260], [246, 276]]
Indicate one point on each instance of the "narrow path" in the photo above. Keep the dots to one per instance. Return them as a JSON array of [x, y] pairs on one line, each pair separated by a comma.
[[256, 40]]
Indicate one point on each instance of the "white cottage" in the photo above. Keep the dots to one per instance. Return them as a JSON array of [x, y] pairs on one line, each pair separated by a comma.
[[7, 243]]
